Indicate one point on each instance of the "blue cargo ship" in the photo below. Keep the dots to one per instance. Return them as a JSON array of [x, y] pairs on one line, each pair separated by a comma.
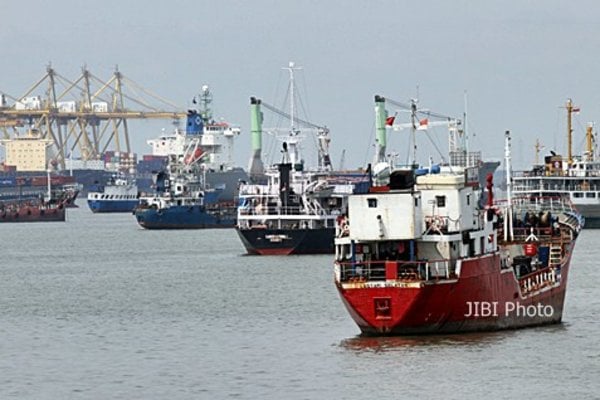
[[182, 202], [182, 199], [118, 195]]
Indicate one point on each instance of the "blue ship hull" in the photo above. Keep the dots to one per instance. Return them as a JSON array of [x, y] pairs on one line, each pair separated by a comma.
[[185, 217], [110, 206]]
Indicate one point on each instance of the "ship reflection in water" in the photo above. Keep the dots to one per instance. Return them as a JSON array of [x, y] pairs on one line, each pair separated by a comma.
[[472, 340], [376, 344]]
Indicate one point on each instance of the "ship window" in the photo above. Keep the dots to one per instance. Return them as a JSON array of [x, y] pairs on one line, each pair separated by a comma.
[[468, 199], [577, 194], [590, 194], [416, 202], [440, 201], [372, 203]]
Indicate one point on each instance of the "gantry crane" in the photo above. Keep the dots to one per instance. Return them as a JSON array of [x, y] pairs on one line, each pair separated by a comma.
[[89, 115]]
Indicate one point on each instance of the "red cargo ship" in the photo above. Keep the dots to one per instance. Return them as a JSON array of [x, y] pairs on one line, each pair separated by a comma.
[[421, 255]]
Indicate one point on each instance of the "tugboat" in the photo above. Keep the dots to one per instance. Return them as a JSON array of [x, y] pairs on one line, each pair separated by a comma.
[[288, 209], [118, 195], [422, 255], [182, 200]]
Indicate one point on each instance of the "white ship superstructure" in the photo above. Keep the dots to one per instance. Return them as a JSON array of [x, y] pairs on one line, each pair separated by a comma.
[[574, 177]]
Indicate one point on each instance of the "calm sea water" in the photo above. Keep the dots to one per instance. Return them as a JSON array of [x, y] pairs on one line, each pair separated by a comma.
[[97, 308]]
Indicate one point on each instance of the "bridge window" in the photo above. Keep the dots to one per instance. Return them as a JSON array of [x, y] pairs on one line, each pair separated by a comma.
[[577, 195], [590, 195], [440, 201]]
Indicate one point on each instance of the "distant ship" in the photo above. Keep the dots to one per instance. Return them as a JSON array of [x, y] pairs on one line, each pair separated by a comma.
[[43, 208], [119, 194], [25, 173], [295, 211], [32, 186], [216, 140], [574, 177], [182, 199], [288, 209], [422, 255]]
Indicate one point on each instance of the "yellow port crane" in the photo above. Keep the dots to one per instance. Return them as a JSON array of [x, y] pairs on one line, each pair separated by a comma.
[[86, 114]]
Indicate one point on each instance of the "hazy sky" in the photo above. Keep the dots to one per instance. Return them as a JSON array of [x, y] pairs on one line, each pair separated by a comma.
[[518, 60]]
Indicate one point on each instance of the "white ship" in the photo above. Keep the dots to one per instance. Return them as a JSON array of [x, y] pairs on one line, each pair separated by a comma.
[[574, 177]]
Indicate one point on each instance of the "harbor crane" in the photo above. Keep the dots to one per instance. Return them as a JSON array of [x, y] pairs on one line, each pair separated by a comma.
[[86, 115]]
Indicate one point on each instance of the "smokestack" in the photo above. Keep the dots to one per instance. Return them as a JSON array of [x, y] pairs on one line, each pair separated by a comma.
[[256, 168]]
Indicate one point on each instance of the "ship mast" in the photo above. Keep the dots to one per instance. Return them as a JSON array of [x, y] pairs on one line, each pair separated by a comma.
[[205, 101], [465, 135], [538, 147], [570, 110], [293, 140], [508, 223], [49, 183]]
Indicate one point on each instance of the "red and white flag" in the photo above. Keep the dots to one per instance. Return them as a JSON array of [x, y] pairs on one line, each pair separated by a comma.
[[389, 121], [423, 124]]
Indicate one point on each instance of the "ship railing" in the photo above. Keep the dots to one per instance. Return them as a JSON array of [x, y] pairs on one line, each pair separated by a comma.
[[522, 233], [555, 204], [258, 190], [274, 211], [405, 271], [527, 174], [539, 280], [536, 186]]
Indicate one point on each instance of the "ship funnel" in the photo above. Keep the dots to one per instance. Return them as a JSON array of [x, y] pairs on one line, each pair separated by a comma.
[[256, 168], [195, 125], [380, 122]]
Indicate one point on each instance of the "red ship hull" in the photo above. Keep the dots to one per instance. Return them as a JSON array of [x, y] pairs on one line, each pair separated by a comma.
[[33, 214], [484, 297]]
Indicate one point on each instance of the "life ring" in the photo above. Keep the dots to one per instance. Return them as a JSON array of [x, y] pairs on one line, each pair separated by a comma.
[[198, 120], [345, 228]]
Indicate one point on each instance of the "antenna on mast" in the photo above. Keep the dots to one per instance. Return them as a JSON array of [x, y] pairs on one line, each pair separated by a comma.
[[465, 134], [291, 68]]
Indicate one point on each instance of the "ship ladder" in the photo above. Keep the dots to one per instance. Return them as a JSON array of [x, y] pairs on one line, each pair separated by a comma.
[[555, 255]]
